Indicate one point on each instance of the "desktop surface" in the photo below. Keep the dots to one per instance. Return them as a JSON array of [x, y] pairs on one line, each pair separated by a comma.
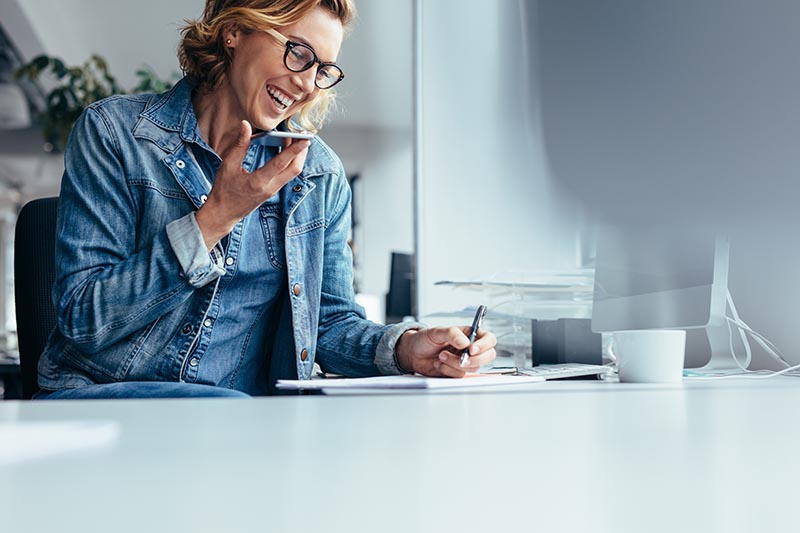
[[575, 456]]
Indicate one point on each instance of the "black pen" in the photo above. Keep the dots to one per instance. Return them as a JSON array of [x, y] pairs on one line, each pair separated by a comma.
[[476, 324]]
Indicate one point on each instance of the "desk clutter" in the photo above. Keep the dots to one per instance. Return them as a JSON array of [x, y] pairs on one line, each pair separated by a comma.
[[565, 340], [539, 317]]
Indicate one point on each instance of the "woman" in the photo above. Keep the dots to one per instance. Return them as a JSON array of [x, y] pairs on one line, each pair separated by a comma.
[[192, 263]]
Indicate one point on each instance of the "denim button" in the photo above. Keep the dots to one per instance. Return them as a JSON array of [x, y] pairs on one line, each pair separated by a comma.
[[207, 322], [229, 261], [296, 289], [304, 355], [180, 164], [187, 329], [194, 361], [203, 198], [297, 188]]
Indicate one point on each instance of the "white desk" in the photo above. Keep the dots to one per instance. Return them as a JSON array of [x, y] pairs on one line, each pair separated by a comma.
[[708, 457]]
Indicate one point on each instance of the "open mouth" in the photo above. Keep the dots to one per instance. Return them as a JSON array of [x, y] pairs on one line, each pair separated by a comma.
[[282, 100]]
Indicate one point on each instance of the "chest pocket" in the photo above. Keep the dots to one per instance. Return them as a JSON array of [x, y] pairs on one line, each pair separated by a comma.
[[273, 227]]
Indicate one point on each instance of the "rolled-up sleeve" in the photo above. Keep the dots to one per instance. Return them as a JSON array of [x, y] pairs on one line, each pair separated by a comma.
[[199, 266], [385, 355]]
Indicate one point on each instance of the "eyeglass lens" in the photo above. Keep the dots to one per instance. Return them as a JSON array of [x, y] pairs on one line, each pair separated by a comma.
[[300, 57]]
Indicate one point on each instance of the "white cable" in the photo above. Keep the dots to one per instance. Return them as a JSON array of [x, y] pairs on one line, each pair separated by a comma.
[[771, 350], [745, 342], [733, 350], [753, 374], [765, 343]]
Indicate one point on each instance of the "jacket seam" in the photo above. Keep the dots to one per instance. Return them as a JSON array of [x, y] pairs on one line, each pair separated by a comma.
[[249, 335], [114, 139], [178, 195], [130, 318]]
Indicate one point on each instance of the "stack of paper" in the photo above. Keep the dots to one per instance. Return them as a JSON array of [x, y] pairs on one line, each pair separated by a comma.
[[406, 382]]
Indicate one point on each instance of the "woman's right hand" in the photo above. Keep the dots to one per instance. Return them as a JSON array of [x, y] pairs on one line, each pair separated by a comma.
[[236, 192]]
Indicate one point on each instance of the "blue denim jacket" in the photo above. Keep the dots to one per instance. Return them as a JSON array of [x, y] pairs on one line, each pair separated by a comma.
[[134, 279]]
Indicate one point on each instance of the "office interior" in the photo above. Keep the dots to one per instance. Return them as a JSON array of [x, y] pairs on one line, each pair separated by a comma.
[[492, 143], [572, 117]]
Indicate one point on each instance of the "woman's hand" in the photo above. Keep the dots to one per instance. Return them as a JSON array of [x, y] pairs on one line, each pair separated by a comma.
[[236, 192], [437, 351]]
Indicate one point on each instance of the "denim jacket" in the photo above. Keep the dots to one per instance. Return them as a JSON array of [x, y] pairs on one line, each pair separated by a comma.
[[134, 281]]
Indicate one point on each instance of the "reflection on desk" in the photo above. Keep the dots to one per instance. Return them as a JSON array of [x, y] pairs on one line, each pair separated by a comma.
[[577, 456]]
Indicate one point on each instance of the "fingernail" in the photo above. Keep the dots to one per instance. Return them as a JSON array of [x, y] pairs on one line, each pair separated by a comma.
[[436, 365], [442, 357]]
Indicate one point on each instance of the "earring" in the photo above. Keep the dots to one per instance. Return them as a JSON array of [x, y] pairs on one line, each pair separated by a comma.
[[228, 41]]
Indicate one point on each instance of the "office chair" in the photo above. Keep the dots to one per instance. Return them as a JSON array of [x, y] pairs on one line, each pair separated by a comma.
[[34, 275]]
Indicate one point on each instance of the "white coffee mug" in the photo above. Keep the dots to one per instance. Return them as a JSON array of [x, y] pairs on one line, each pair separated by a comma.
[[649, 356]]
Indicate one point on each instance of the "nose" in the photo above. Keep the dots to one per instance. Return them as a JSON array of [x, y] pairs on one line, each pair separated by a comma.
[[305, 80]]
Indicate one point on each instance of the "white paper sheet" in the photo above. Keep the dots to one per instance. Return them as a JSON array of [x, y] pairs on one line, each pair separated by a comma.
[[407, 382]]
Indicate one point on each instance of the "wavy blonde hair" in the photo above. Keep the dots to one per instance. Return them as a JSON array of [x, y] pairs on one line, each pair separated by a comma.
[[205, 59]]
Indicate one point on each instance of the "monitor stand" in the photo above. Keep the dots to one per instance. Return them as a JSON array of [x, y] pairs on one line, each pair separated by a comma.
[[721, 360]]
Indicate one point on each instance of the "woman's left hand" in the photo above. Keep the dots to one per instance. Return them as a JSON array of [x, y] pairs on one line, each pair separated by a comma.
[[437, 351]]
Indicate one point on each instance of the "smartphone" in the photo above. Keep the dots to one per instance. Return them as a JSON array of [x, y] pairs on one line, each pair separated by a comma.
[[275, 137]]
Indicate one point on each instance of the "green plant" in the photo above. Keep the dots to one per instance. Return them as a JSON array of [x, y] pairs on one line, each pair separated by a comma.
[[76, 88]]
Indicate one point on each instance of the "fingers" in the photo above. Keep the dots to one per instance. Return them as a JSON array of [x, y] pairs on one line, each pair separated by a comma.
[[290, 155], [451, 342], [448, 359], [450, 371], [283, 168], [481, 351], [245, 132], [452, 336], [235, 154], [484, 340]]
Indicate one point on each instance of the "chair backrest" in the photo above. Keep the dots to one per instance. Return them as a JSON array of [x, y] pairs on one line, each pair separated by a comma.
[[34, 275]]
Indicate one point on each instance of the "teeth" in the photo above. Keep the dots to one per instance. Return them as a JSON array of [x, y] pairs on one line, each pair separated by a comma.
[[281, 98]]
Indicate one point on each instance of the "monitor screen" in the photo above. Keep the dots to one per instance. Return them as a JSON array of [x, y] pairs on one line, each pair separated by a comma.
[[672, 110]]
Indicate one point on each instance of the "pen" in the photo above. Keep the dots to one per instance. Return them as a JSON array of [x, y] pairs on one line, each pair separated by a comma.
[[476, 323]]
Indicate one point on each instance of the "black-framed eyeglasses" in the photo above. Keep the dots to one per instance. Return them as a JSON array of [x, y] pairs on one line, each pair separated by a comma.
[[300, 57]]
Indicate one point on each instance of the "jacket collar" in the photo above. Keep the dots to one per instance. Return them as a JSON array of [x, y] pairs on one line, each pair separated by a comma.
[[169, 121], [168, 114]]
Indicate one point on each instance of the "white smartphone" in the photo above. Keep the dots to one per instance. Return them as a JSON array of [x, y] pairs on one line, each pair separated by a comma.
[[289, 134], [276, 138]]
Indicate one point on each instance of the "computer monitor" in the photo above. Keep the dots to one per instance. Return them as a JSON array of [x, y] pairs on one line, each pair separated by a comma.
[[665, 278], [681, 113], [665, 110]]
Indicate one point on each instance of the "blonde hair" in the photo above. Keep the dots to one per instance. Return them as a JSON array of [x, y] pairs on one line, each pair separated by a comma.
[[205, 59]]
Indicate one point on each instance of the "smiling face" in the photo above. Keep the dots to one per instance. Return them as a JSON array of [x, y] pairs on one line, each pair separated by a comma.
[[265, 92]]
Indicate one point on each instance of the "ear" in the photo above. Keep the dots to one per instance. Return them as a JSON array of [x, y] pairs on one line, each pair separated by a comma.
[[231, 36]]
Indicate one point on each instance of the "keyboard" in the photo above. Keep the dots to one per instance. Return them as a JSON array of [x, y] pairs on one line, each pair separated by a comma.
[[565, 370]]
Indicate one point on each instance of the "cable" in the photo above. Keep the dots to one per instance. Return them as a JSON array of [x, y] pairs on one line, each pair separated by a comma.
[[765, 343], [752, 374], [733, 350], [745, 342]]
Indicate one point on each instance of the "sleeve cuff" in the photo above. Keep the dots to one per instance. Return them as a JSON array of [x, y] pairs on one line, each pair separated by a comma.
[[385, 356], [198, 265]]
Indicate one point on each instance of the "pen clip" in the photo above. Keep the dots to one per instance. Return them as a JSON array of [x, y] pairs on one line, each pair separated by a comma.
[[479, 314], [482, 314], [476, 324]]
